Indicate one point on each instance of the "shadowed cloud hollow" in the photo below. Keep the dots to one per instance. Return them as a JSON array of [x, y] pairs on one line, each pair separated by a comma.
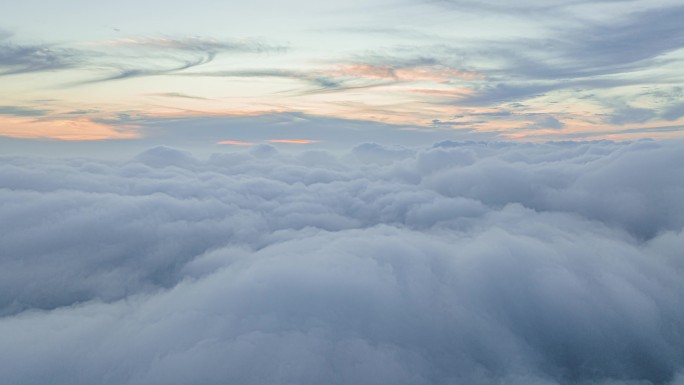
[[461, 263]]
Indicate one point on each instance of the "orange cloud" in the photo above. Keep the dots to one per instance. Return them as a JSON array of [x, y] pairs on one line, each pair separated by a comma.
[[63, 129]]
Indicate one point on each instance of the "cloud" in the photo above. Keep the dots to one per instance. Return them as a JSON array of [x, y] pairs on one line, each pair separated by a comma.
[[648, 130], [19, 59], [523, 7], [431, 72], [320, 80], [177, 95], [163, 56], [464, 262], [369, 71], [336, 133], [637, 46], [493, 94], [124, 58], [198, 44], [626, 114], [22, 111], [579, 46], [204, 134], [673, 112], [545, 122]]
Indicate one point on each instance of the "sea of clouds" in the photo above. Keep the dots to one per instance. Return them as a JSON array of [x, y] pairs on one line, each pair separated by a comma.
[[461, 263]]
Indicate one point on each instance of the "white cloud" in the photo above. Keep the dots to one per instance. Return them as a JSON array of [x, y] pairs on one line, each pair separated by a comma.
[[468, 263]]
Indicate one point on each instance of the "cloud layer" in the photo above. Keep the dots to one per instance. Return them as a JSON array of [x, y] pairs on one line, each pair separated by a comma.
[[471, 263]]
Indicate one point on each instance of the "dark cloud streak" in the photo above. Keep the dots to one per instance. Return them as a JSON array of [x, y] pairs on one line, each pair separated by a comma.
[[593, 55], [184, 53], [18, 59], [23, 111]]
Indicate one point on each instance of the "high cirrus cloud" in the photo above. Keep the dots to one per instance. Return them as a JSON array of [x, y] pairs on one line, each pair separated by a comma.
[[471, 263]]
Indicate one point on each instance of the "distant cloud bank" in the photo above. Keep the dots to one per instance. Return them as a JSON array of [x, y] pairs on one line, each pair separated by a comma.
[[460, 263]]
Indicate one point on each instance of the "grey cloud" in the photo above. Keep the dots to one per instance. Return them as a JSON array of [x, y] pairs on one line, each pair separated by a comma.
[[406, 33], [333, 133], [495, 114], [586, 47], [82, 112], [376, 153], [202, 134], [331, 80], [315, 78], [177, 95], [410, 61], [321, 81], [22, 111], [653, 129], [19, 59], [600, 133], [125, 59], [521, 7], [180, 54], [673, 112], [503, 92], [127, 73], [201, 44], [645, 36], [453, 123], [593, 49], [546, 121], [200, 50], [627, 114], [128, 58], [594, 55], [464, 262]]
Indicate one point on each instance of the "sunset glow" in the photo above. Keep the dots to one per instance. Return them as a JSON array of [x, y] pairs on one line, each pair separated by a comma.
[[537, 75]]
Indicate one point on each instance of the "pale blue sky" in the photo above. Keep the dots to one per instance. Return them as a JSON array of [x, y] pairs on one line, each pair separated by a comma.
[[533, 70]]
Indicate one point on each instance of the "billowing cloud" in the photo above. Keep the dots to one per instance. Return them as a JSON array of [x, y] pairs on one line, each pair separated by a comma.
[[464, 262]]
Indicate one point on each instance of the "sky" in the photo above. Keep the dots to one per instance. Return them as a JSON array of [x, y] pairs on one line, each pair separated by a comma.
[[336, 73]]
